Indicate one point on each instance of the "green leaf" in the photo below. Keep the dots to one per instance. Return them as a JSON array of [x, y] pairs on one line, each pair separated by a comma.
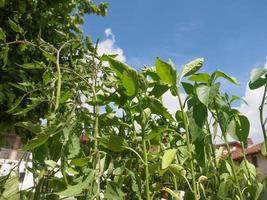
[[168, 157], [239, 127], [118, 66], [35, 103], [192, 67], [50, 57], [156, 107], [249, 169], [15, 27], [34, 128], [15, 104], [166, 72], [206, 94], [80, 162], [36, 142], [257, 83], [243, 128], [188, 88], [201, 77], [2, 34], [34, 65], [177, 169], [113, 143], [11, 189], [81, 184], [129, 82], [113, 191], [156, 132], [256, 74], [158, 90], [221, 74]]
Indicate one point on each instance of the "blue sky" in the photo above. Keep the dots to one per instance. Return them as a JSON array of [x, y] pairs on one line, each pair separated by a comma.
[[230, 34]]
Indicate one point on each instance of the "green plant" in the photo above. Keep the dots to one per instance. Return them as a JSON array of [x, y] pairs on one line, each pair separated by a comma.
[[103, 124]]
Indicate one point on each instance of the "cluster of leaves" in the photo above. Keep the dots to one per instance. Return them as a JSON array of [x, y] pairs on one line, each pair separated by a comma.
[[104, 132]]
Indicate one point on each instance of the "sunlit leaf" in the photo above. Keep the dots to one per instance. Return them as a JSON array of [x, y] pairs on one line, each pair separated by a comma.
[[220, 74], [168, 157], [166, 72], [206, 94], [191, 67]]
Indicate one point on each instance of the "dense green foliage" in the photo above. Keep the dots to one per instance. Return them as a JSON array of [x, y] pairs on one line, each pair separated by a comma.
[[102, 125]]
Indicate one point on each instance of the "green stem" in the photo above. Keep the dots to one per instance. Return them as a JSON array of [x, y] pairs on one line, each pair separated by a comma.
[[261, 108], [188, 145], [245, 159], [146, 170], [230, 157]]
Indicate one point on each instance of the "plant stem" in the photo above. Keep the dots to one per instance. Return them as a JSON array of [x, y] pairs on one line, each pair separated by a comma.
[[229, 156], [261, 116], [146, 170], [188, 145], [246, 164]]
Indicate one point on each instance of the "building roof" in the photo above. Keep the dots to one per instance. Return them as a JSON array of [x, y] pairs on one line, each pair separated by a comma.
[[254, 149]]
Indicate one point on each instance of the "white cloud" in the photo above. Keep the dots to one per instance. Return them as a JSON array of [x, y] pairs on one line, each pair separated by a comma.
[[108, 46], [251, 110], [171, 102]]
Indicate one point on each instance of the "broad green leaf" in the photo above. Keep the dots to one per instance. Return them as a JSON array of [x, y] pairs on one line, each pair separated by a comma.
[[51, 163], [166, 72], [50, 57], [243, 128], [118, 66], [177, 170], [36, 142], [158, 90], [249, 169], [15, 27], [239, 127], [223, 190], [156, 107], [113, 143], [192, 67], [206, 94], [34, 65], [11, 189], [2, 34], [231, 129], [81, 184], [156, 132], [221, 74], [168, 157], [80, 162], [256, 74], [47, 77], [201, 77], [257, 83], [113, 191], [188, 88], [129, 82], [34, 128], [194, 126]]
